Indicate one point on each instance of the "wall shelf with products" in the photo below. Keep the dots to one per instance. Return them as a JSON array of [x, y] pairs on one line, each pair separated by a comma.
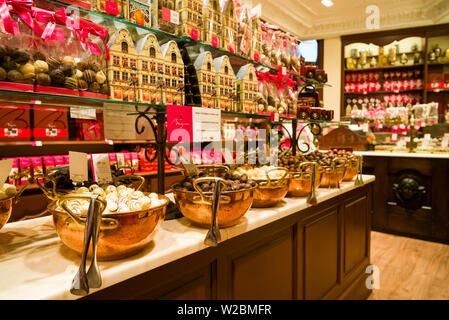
[[429, 46]]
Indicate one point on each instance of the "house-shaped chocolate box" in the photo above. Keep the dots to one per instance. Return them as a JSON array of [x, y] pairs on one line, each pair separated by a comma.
[[205, 71], [150, 69], [225, 83], [190, 18], [122, 66], [246, 80], [212, 28], [173, 74], [230, 26]]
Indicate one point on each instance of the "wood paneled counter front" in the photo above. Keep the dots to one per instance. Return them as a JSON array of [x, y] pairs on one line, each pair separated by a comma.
[[292, 251]]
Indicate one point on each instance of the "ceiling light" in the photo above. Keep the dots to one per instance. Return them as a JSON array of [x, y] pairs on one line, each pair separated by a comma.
[[327, 3]]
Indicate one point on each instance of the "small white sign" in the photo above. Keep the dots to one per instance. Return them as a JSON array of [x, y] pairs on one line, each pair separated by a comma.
[[365, 127], [101, 168], [206, 124], [5, 169], [174, 17], [83, 113], [427, 136], [394, 136], [78, 166]]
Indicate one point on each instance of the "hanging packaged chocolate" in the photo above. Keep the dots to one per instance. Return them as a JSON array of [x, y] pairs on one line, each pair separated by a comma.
[[118, 8]]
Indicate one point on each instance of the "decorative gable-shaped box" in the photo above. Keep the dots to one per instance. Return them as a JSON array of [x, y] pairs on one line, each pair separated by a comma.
[[230, 26], [256, 38], [212, 28], [225, 83], [122, 66], [247, 89], [174, 74], [150, 69], [206, 79], [190, 18]]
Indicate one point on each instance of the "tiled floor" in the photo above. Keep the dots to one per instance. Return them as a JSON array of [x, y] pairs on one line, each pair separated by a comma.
[[410, 269]]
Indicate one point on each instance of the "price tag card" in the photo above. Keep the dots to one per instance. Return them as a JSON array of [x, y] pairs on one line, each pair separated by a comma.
[[206, 124], [78, 166], [394, 136], [188, 165], [5, 169], [120, 159], [365, 127], [83, 113], [427, 136], [101, 168]]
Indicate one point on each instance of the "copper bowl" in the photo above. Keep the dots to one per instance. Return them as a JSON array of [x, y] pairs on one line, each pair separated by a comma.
[[351, 169], [5, 210], [121, 234], [233, 206], [333, 175], [301, 182], [270, 191]]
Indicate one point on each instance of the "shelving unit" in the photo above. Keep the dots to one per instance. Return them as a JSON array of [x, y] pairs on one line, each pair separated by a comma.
[[383, 38]]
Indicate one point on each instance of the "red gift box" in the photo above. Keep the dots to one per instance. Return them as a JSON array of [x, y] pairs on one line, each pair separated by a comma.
[[56, 90], [50, 124], [14, 123], [16, 86]]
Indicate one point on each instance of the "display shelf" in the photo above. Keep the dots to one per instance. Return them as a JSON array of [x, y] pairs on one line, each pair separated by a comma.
[[437, 90], [72, 142], [383, 92], [107, 20], [386, 67]]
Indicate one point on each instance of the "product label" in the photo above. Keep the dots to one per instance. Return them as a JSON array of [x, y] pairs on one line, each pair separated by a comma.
[[78, 167], [83, 113], [101, 168], [5, 169], [214, 42]]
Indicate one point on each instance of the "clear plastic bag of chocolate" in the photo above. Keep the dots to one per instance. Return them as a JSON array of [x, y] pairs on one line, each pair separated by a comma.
[[16, 68], [244, 33], [262, 96]]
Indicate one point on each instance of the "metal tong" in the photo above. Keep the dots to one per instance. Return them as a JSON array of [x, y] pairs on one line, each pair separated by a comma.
[[359, 179], [92, 279]]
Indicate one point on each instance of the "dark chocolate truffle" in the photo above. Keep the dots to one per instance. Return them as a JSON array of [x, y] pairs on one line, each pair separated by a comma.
[[2, 74], [82, 85], [89, 76], [81, 66], [43, 79], [57, 78], [53, 62], [95, 66], [68, 69], [104, 89], [38, 56], [70, 83], [21, 56], [94, 87], [15, 76], [8, 63]]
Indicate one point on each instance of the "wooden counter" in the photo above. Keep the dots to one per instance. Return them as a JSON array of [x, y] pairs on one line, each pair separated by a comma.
[[292, 251], [410, 195]]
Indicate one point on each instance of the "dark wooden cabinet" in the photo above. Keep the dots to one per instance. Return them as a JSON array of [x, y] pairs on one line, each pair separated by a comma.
[[410, 196], [318, 253]]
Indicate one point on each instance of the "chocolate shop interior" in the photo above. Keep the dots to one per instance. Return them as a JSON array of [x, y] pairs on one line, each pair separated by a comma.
[[270, 150]]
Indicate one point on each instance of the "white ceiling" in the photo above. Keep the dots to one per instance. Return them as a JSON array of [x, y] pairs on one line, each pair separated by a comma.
[[309, 19]]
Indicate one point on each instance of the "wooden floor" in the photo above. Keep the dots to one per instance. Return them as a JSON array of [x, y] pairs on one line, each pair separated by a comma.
[[410, 269]]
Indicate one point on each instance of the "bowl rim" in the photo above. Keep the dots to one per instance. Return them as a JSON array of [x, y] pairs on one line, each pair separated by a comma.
[[209, 193], [52, 208]]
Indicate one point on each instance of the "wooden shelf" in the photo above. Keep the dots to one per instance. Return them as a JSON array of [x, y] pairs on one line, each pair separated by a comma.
[[382, 92], [71, 142], [385, 68]]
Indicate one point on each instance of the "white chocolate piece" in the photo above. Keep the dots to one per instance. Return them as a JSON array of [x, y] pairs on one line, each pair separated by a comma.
[[122, 207], [134, 205], [93, 187], [82, 190], [98, 191], [112, 205], [110, 189], [153, 195], [121, 187]]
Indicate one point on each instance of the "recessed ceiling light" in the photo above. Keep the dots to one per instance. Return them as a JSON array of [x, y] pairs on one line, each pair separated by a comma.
[[327, 3]]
